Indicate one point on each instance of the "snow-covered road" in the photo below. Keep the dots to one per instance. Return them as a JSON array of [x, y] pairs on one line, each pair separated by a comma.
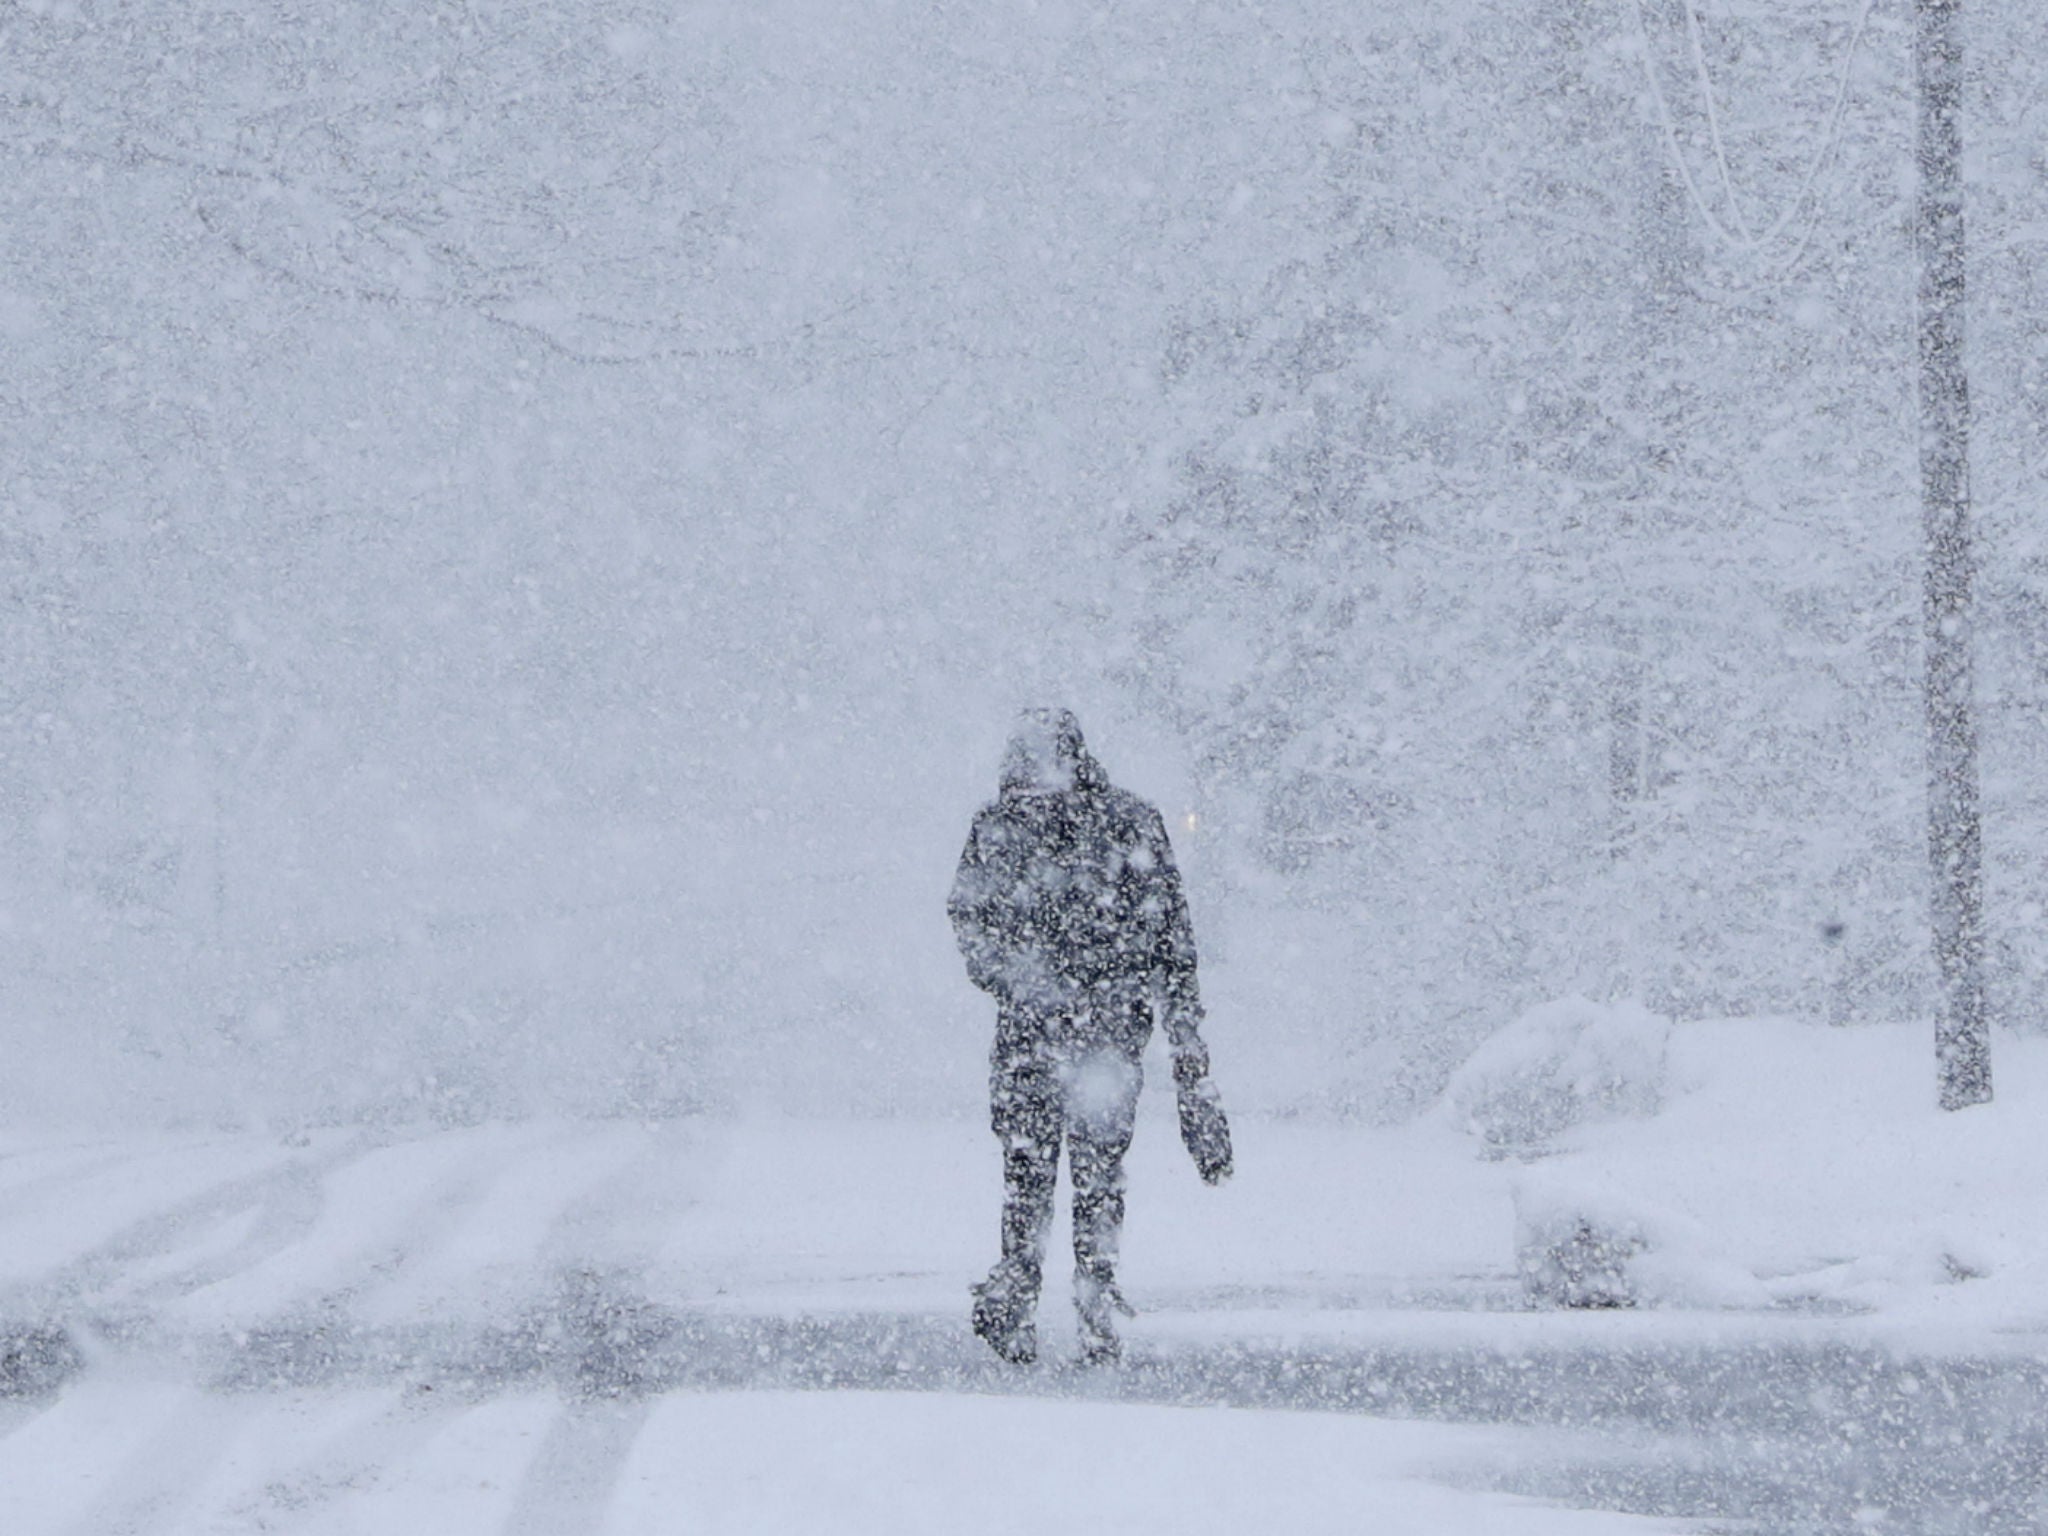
[[758, 1325], [122, 1454], [556, 1327], [193, 1239]]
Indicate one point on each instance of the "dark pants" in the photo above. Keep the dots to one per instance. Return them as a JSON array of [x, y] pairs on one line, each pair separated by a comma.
[[1047, 1087]]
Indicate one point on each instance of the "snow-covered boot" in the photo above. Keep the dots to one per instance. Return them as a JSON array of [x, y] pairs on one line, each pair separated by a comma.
[[1096, 1303], [1002, 1318]]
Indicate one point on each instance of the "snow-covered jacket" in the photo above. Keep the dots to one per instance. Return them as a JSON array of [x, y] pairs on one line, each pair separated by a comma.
[[1067, 896]]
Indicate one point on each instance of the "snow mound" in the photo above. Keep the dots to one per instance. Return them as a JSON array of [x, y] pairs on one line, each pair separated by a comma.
[[1789, 1165], [1582, 1240], [1563, 1064]]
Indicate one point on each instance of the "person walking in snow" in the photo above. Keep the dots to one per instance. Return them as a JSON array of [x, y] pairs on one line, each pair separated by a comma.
[[1068, 909]]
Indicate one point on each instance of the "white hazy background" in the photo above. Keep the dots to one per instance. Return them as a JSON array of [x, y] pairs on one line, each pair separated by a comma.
[[522, 527]]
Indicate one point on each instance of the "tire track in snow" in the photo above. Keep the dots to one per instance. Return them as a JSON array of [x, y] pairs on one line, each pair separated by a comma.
[[22, 1179], [299, 1456], [377, 1214], [50, 1242], [284, 1202], [58, 1464], [569, 1485], [495, 1249], [460, 1471], [148, 1491], [83, 1306]]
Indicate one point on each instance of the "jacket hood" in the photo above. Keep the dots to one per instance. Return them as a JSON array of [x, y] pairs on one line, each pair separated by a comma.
[[1046, 756]]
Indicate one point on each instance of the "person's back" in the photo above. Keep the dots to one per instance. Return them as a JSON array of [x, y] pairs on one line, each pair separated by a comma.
[[1068, 909], [1067, 894]]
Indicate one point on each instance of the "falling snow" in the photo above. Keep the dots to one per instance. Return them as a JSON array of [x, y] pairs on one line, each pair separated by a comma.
[[524, 531]]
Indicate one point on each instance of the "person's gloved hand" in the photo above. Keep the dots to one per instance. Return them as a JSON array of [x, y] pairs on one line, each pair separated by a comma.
[[1204, 1130]]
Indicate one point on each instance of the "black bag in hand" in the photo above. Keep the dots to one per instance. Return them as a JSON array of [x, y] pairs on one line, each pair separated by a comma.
[[1203, 1129]]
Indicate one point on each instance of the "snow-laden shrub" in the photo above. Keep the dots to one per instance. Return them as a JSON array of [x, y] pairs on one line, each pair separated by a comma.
[[1583, 1240], [1557, 1066], [1573, 1260]]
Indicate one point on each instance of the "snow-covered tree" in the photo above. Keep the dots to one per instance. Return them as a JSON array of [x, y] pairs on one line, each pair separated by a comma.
[[1523, 597]]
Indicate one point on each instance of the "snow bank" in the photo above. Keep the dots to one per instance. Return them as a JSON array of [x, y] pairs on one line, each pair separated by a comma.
[[1567, 1063], [1769, 1163]]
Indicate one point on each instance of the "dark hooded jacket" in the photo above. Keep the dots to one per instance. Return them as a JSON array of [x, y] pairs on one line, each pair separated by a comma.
[[1067, 902]]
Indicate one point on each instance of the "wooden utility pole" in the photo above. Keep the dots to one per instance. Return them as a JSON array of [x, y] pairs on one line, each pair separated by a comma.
[[1962, 1041]]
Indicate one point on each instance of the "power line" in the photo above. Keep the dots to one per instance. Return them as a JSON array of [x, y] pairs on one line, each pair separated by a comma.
[[1739, 237], [1698, 49]]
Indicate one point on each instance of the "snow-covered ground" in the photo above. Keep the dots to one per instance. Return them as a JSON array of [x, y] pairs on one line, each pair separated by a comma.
[[142, 1455], [545, 1326]]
